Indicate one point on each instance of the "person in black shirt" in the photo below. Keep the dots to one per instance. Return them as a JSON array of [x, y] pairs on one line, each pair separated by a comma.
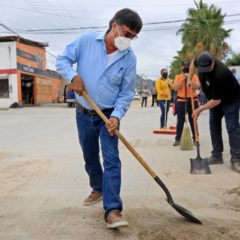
[[223, 93]]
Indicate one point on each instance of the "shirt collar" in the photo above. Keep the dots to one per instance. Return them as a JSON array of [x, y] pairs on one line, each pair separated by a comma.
[[101, 35]]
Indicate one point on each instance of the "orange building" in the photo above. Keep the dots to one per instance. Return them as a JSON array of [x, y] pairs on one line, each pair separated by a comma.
[[23, 75]]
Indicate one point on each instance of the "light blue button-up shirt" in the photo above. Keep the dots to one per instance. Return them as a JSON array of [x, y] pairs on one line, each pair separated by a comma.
[[110, 86]]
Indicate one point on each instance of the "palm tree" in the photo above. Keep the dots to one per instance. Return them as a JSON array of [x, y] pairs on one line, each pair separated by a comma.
[[203, 30]]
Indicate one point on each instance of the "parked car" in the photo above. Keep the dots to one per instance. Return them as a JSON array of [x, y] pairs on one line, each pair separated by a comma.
[[136, 96]]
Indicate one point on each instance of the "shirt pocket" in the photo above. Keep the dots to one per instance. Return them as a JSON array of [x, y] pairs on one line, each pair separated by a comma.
[[115, 76]]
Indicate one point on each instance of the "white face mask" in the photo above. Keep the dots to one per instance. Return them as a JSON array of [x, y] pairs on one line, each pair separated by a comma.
[[122, 43]]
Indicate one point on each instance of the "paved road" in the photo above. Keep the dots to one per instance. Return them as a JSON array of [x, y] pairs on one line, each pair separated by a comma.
[[43, 182]]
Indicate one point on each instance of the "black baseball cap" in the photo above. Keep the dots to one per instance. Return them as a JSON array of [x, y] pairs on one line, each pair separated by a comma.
[[186, 63], [204, 62]]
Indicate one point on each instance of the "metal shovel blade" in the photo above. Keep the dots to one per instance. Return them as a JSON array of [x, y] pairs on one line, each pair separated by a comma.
[[181, 210], [184, 212], [199, 166]]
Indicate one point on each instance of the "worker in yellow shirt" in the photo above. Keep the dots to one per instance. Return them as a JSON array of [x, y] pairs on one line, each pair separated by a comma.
[[164, 85]]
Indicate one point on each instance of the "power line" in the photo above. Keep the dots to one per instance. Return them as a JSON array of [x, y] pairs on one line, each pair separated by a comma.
[[50, 6], [51, 30], [67, 11], [9, 29], [55, 13], [53, 55], [36, 10], [73, 30], [39, 11]]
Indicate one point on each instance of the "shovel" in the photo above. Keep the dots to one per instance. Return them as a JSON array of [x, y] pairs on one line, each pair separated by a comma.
[[184, 212], [198, 165]]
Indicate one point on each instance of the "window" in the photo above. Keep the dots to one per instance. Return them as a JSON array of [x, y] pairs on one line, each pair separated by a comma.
[[4, 89]]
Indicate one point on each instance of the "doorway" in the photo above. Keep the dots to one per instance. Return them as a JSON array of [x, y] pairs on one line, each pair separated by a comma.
[[27, 82]]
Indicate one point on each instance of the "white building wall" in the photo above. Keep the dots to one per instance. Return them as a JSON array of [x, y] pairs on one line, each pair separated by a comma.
[[8, 61], [8, 58]]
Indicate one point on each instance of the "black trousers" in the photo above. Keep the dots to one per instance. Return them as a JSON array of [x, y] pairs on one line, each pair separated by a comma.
[[180, 108]]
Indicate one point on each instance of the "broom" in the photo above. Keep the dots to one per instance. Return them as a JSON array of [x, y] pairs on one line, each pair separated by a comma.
[[186, 139], [165, 129]]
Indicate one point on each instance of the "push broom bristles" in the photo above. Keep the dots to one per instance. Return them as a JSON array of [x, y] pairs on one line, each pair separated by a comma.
[[186, 139]]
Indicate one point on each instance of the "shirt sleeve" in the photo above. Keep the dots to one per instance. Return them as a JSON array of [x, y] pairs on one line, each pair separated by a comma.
[[65, 61], [127, 90]]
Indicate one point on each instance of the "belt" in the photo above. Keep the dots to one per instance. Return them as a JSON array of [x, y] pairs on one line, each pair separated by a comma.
[[188, 99], [92, 112]]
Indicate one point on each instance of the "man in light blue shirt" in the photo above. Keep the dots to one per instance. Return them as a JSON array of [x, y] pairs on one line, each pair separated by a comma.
[[106, 70]]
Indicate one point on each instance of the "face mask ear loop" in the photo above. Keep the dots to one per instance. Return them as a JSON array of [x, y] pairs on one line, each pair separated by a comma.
[[118, 31]]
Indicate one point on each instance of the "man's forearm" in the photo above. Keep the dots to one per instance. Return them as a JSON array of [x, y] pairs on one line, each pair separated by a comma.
[[210, 104]]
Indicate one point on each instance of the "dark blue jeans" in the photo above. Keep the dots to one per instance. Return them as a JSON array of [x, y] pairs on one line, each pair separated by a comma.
[[231, 114], [91, 128], [180, 108], [163, 118]]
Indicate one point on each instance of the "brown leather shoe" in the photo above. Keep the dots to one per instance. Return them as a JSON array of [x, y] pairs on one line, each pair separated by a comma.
[[92, 198], [115, 220]]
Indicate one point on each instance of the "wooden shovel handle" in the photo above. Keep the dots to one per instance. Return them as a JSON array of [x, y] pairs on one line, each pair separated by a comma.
[[194, 119], [120, 136]]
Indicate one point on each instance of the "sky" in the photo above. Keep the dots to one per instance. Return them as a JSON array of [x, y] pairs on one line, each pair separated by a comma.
[[155, 47]]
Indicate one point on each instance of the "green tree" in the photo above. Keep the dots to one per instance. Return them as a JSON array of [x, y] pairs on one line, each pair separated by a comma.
[[234, 60], [203, 31]]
